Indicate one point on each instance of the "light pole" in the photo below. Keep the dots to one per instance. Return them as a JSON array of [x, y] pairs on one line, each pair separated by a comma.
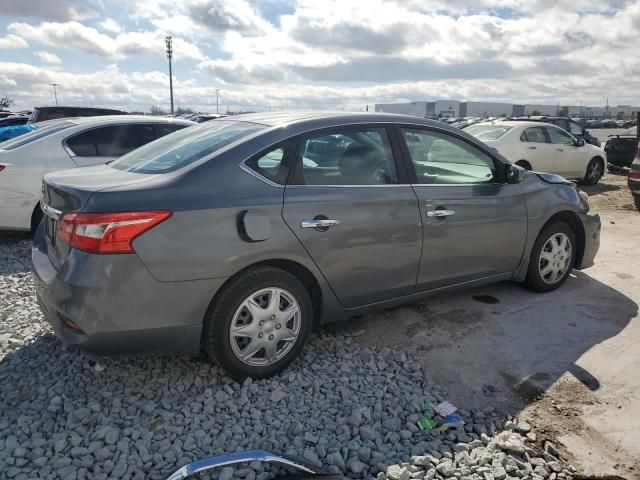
[[168, 42], [217, 105], [55, 93]]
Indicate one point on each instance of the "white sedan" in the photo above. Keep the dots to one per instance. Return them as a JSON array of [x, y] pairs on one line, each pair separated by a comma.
[[62, 144], [543, 147]]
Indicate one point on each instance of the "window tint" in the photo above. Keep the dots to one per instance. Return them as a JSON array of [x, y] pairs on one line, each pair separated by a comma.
[[350, 157], [271, 165], [443, 159], [575, 128], [559, 136], [113, 141], [167, 128], [184, 147], [534, 134], [54, 113]]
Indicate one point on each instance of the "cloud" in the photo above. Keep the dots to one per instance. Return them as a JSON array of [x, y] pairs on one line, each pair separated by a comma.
[[220, 16], [76, 36], [237, 73], [48, 57], [110, 25], [12, 41], [48, 9]]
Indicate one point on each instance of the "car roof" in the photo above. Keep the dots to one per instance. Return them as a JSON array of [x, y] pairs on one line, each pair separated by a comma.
[[73, 107], [518, 123], [319, 119], [108, 119]]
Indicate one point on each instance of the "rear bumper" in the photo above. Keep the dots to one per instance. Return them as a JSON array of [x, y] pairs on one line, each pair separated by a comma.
[[592, 226], [620, 160], [111, 304], [634, 186]]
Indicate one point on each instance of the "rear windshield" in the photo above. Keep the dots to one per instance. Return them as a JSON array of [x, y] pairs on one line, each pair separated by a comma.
[[487, 132], [40, 130], [184, 147]]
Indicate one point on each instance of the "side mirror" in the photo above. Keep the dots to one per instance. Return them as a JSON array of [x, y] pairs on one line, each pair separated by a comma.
[[512, 173], [579, 142]]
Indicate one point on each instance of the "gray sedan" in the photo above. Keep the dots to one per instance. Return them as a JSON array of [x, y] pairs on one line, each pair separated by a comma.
[[238, 235]]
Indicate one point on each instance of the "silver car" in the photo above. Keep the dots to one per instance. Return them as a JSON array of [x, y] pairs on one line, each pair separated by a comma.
[[239, 235]]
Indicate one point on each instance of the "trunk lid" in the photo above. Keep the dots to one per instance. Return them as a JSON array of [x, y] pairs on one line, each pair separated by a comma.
[[69, 191]]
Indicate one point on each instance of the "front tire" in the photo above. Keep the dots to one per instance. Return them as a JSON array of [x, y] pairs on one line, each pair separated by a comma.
[[524, 164], [594, 172], [258, 324], [552, 258]]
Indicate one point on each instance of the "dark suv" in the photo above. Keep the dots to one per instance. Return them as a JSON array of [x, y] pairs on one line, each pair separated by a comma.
[[568, 124], [40, 114]]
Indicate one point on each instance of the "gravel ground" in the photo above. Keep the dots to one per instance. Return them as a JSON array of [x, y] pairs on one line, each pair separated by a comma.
[[343, 406]]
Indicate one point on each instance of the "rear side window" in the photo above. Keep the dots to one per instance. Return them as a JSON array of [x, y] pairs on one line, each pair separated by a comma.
[[271, 165], [534, 135], [163, 129], [187, 146], [113, 141]]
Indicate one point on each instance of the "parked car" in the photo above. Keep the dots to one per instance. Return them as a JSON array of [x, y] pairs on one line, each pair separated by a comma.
[[595, 123], [13, 120], [621, 149], [205, 117], [61, 144], [634, 179], [571, 125], [13, 131], [193, 240], [543, 147], [41, 114], [609, 123]]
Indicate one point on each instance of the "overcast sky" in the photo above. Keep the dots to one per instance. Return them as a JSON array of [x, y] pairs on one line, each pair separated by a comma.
[[273, 54]]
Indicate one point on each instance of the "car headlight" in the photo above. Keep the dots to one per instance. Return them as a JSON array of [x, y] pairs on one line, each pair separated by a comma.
[[584, 197]]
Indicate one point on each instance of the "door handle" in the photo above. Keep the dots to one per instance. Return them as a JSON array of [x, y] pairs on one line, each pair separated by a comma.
[[319, 223], [440, 213], [531, 148]]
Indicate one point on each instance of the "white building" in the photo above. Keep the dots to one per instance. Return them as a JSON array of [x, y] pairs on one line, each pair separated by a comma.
[[486, 109], [419, 109]]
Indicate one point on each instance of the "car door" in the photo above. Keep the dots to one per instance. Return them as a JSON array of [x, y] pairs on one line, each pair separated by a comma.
[[567, 158], [537, 150], [353, 210], [473, 225], [104, 144]]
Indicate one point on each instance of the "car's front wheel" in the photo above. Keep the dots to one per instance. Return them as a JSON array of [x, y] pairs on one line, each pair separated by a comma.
[[594, 172], [259, 323], [552, 257]]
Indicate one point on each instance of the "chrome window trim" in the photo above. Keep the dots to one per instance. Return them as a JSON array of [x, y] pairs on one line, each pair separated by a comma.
[[385, 123]]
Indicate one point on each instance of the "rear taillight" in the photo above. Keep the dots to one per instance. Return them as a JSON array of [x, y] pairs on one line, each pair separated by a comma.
[[107, 232], [2, 167], [634, 175]]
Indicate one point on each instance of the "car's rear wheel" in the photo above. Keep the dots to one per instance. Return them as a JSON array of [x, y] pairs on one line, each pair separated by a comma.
[[36, 218], [552, 257], [259, 323], [636, 200], [594, 172], [524, 164]]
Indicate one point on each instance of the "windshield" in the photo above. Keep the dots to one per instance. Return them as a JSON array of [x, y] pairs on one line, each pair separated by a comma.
[[487, 132], [184, 147], [39, 130]]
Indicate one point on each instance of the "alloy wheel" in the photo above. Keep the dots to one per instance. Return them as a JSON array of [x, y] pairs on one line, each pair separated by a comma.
[[265, 327], [594, 171], [555, 258]]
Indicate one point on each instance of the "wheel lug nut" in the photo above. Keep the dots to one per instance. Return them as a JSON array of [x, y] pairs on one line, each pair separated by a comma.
[[261, 322], [273, 317], [260, 335], [270, 337], [277, 326]]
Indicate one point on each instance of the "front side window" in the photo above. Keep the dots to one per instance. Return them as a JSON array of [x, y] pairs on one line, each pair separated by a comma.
[[534, 135], [575, 128], [443, 159], [349, 157], [184, 147], [559, 136]]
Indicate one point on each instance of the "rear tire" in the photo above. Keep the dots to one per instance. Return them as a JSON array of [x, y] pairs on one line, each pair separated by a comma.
[[524, 164], [552, 257], [636, 200], [248, 335], [594, 172]]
